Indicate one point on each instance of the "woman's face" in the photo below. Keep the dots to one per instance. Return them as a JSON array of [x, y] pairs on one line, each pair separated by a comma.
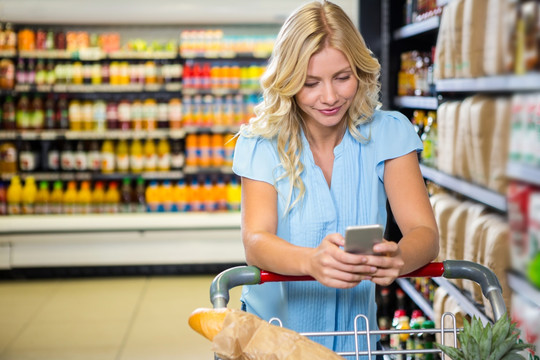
[[328, 90]]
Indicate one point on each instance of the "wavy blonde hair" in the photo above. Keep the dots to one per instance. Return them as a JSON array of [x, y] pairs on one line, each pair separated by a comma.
[[306, 32]]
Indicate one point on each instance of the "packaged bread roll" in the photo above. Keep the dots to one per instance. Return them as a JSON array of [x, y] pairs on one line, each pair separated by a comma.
[[463, 144], [473, 252], [439, 298], [440, 47], [482, 115], [451, 125], [455, 240], [499, 149], [473, 37], [442, 146], [443, 210], [494, 43], [453, 48]]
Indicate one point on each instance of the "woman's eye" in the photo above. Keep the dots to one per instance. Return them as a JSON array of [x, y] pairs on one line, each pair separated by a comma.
[[310, 84], [344, 78]]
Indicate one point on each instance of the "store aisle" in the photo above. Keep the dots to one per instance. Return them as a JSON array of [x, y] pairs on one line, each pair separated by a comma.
[[104, 318]]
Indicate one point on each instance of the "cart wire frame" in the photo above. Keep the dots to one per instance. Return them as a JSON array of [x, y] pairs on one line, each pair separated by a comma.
[[451, 269]]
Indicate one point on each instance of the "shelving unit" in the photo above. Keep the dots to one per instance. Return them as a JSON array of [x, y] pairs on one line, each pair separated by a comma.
[[418, 299], [417, 102], [464, 302], [500, 83], [524, 173], [478, 193], [417, 28], [522, 287]]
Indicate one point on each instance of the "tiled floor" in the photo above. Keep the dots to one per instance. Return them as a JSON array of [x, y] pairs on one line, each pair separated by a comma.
[[104, 318]]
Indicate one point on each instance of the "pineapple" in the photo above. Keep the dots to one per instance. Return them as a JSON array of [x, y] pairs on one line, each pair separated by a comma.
[[492, 342]]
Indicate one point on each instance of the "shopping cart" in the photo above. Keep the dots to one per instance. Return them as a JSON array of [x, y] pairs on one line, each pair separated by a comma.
[[450, 269]]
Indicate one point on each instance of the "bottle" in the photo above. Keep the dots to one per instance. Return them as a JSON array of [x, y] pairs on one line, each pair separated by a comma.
[[126, 196], [137, 115], [80, 157], [177, 155], [175, 113], [179, 196], [99, 115], [20, 72], [124, 115], [77, 76], [194, 196], [42, 199], [220, 190], [67, 157], [112, 198], [122, 156], [49, 121], [136, 157], [87, 115], [41, 75], [8, 158], [403, 337], [14, 196], [152, 197], [163, 115], [234, 194], [75, 115], [166, 196], [384, 315], [139, 202], [62, 113], [204, 150], [93, 156], [28, 160], [429, 339], [217, 150], [50, 73], [394, 338], [9, 121], [3, 200], [22, 115], [192, 143], [28, 196], [108, 157], [150, 155], [208, 196], [98, 198], [69, 202], [56, 198], [37, 113], [112, 115], [229, 145], [150, 114], [163, 155]]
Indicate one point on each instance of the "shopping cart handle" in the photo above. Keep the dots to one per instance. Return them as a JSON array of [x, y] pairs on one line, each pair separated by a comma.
[[451, 269]]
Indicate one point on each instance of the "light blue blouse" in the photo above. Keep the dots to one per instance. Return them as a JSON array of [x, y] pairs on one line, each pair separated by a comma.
[[356, 197]]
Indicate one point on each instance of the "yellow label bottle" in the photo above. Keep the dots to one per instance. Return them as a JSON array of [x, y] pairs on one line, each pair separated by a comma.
[[136, 157], [122, 156], [84, 198], [150, 155], [108, 163], [70, 198], [28, 196], [57, 198], [98, 198], [42, 199], [112, 198], [14, 194], [164, 155]]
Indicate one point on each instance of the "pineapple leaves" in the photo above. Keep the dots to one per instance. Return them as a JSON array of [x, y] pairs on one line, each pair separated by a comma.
[[455, 354]]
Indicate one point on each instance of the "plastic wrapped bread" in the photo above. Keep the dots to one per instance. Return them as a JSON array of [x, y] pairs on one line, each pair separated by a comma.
[[463, 144], [473, 252], [443, 210], [473, 37], [494, 44], [455, 239], [453, 48], [499, 150], [440, 48], [449, 127], [482, 115]]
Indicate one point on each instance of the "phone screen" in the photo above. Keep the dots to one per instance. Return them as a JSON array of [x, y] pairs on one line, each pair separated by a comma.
[[360, 239]]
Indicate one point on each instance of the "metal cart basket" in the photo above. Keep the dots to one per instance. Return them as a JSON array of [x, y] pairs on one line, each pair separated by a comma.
[[450, 269]]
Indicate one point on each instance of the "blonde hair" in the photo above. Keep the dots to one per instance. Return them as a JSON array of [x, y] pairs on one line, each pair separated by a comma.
[[306, 32]]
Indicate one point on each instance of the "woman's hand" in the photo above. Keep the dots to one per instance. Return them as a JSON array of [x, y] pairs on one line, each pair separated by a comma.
[[332, 266], [387, 261]]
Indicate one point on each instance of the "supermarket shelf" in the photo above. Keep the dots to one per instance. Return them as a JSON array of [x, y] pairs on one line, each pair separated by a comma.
[[100, 88], [523, 172], [500, 83], [472, 191], [88, 176], [419, 300], [525, 289], [417, 28], [464, 302], [416, 102], [93, 54]]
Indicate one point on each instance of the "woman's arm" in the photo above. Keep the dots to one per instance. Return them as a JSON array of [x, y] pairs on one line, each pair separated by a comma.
[[414, 215], [327, 263]]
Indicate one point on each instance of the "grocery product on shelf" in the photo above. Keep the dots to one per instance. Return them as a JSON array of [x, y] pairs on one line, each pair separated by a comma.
[[69, 199], [42, 205], [122, 156], [13, 196], [84, 198], [3, 200], [98, 198], [28, 196], [56, 198], [111, 199]]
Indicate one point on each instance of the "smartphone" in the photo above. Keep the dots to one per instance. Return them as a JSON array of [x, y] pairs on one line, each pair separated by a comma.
[[361, 238]]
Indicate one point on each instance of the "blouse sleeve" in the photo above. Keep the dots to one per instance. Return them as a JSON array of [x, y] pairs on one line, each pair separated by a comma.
[[393, 136], [255, 158]]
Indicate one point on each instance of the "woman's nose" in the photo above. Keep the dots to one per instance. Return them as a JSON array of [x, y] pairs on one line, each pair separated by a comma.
[[329, 94]]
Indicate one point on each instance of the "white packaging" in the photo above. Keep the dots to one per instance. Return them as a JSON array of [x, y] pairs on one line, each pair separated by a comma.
[[482, 115], [517, 128], [499, 150], [526, 315], [473, 37], [534, 224], [518, 208], [451, 123], [443, 210], [494, 43]]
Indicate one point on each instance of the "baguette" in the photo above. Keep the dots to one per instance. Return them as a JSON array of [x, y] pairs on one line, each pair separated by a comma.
[[208, 322]]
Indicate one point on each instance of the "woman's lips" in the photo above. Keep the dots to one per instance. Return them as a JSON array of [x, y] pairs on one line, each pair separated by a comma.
[[329, 112]]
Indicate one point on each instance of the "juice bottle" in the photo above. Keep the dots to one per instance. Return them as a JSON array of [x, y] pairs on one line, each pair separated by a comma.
[[234, 195], [139, 201], [56, 198], [137, 115], [8, 158], [229, 145], [204, 150], [99, 114], [77, 75], [208, 196], [124, 115], [187, 110], [93, 156], [150, 114], [175, 113], [126, 196], [84, 198], [75, 115], [87, 115], [42, 199], [80, 157], [107, 157], [166, 196], [163, 116], [67, 156], [37, 113], [69, 201], [152, 197], [179, 196], [22, 114], [177, 155], [98, 198], [164, 155], [112, 115], [122, 156], [9, 121], [3, 200], [218, 110], [14, 196], [150, 155], [112, 198], [62, 113], [192, 143], [194, 196], [221, 194], [28, 196], [218, 150], [136, 157]]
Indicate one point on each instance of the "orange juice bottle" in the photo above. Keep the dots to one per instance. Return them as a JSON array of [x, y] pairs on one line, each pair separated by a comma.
[[112, 198], [179, 196], [122, 156], [234, 194], [152, 197], [137, 115], [28, 196], [221, 194], [14, 196], [70, 198], [108, 157], [192, 144], [84, 198], [208, 196], [218, 150], [204, 150], [136, 157], [57, 197], [194, 196], [164, 155], [150, 114], [42, 199], [75, 115], [166, 196], [228, 153], [150, 155], [175, 113], [98, 198]]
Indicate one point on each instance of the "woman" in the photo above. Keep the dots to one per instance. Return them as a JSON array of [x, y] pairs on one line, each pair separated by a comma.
[[318, 157]]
